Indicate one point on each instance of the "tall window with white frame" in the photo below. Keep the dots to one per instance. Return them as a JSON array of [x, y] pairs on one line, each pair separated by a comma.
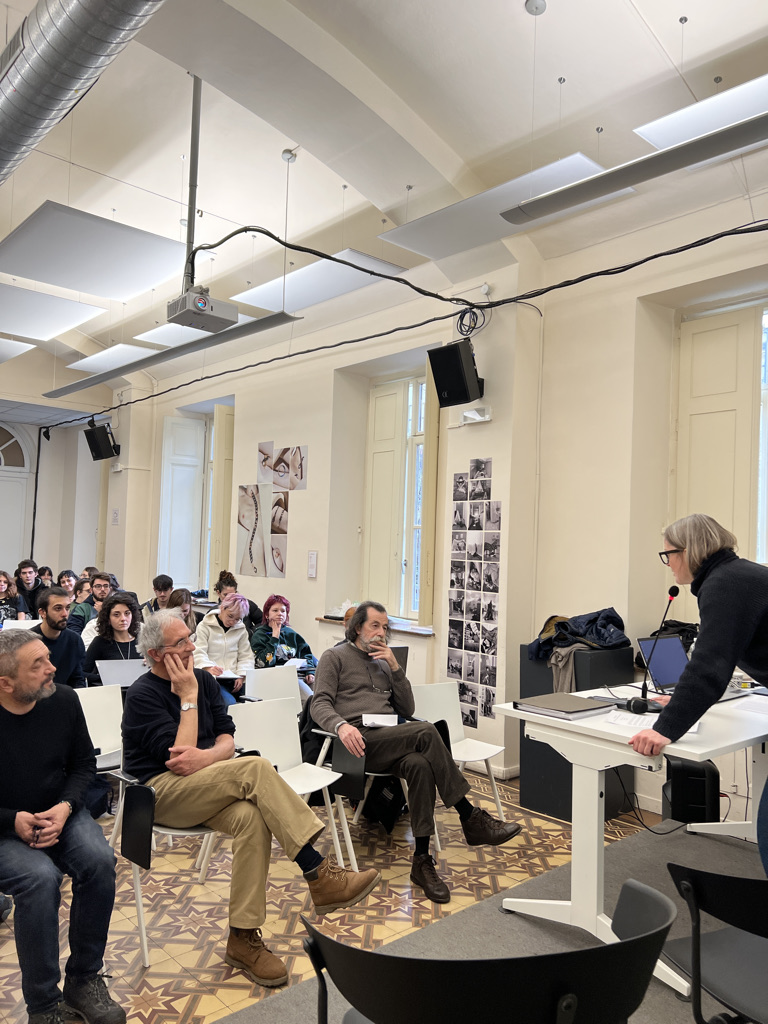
[[762, 473], [414, 492]]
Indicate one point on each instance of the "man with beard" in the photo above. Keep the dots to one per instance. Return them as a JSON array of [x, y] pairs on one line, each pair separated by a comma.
[[66, 648], [46, 765], [363, 677]]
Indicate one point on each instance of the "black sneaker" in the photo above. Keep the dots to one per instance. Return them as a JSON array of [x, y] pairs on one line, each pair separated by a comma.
[[49, 1017], [481, 829], [424, 874], [91, 1001]]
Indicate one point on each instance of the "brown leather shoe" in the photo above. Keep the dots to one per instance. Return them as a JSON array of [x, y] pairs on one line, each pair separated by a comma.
[[246, 950], [481, 829], [333, 888], [424, 874]]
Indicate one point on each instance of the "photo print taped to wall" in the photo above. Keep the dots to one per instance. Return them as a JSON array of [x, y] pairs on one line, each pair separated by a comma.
[[252, 541]]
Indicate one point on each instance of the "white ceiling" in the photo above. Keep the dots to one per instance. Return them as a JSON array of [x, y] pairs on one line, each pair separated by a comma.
[[449, 97]]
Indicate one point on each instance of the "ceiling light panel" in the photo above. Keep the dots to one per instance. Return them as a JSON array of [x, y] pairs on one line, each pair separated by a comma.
[[71, 249], [317, 282], [726, 108], [109, 359], [10, 349], [174, 334], [40, 316]]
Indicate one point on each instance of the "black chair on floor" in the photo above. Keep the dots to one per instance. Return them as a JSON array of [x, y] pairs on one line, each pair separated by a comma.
[[600, 985], [730, 963]]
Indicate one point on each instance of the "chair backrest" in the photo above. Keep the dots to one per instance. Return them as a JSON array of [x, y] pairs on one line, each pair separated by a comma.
[[21, 623], [601, 985], [435, 701], [120, 673], [138, 819], [103, 710], [271, 727], [278, 683], [739, 902]]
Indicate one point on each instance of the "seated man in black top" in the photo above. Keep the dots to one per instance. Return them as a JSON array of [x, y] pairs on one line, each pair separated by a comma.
[[46, 765], [29, 585], [66, 648]]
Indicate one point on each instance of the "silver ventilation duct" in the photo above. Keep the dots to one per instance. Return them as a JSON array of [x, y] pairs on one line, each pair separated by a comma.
[[53, 59]]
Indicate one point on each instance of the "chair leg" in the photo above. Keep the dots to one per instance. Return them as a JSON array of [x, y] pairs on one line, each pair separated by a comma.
[[204, 857], [118, 820], [495, 790], [140, 915], [345, 831], [359, 808], [332, 827]]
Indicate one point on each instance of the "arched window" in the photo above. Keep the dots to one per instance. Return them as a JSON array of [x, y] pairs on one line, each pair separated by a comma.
[[11, 452]]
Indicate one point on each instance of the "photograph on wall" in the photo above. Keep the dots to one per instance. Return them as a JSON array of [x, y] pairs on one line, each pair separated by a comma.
[[460, 489], [459, 544], [493, 515], [456, 633], [279, 521], [455, 604], [491, 576], [479, 468], [252, 528], [475, 515], [277, 555], [458, 575], [490, 640], [487, 670], [475, 545], [264, 468], [284, 468], [490, 608], [459, 515], [467, 691], [472, 606], [479, 490], [471, 636], [471, 669], [492, 547], [487, 700], [474, 576], [453, 665], [468, 716]]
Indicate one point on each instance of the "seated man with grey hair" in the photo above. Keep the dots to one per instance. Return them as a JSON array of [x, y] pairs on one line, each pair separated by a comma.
[[177, 738], [47, 763], [363, 677]]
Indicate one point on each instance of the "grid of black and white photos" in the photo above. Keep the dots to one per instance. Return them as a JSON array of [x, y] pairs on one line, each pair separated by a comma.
[[473, 598]]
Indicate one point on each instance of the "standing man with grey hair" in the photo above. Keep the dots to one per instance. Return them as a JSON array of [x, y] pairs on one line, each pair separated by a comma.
[[363, 677], [177, 738], [46, 765]]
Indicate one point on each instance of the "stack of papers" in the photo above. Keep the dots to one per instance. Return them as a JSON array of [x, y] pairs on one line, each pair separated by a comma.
[[564, 705]]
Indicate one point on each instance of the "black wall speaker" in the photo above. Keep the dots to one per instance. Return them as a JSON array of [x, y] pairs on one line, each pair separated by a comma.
[[101, 441], [455, 373]]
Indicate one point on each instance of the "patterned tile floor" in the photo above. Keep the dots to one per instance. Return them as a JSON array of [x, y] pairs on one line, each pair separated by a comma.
[[188, 981]]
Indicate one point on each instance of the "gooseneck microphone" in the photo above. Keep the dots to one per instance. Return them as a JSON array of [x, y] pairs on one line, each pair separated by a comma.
[[641, 705]]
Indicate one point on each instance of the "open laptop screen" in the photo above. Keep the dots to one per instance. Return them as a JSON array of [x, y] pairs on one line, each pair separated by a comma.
[[668, 661]]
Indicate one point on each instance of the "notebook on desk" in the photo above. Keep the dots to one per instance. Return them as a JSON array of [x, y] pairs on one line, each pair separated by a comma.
[[668, 662]]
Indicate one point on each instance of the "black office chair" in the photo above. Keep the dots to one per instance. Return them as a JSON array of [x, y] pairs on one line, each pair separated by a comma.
[[731, 963], [600, 985]]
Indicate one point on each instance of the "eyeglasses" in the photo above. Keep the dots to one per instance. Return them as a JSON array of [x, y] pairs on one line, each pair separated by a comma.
[[180, 644], [664, 555]]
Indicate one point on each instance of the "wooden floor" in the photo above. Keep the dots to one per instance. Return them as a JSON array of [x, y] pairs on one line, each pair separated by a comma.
[[188, 981]]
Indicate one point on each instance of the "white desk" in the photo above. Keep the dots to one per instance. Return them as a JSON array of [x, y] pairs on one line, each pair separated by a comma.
[[593, 746]]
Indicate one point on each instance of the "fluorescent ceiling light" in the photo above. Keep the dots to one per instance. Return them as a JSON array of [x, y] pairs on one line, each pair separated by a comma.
[[477, 221], [111, 358], [40, 316], [317, 282], [174, 334], [709, 115], [71, 249], [10, 349]]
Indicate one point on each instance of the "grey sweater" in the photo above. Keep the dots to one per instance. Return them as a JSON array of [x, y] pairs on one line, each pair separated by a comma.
[[349, 683]]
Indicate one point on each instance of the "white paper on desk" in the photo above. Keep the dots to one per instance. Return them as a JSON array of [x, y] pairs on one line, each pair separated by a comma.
[[295, 663], [226, 674], [637, 722], [757, 705], [379, 721]]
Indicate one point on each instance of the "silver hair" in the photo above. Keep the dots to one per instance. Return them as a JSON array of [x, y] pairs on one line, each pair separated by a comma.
[[151, 635], [11, 642], [699, 536]]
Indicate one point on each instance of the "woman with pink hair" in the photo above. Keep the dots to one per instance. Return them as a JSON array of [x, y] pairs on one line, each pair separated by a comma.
[[221, 645]]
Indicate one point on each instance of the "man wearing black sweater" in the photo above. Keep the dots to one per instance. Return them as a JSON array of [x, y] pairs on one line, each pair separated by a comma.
[[46, 765], [66, 648]]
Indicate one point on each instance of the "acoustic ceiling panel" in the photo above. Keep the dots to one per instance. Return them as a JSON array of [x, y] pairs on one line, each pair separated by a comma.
[[39, 316], [10, 349], [109, 359], [175, 334], [70, 249]]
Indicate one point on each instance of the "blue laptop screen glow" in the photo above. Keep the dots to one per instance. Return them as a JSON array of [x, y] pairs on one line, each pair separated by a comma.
[[668, 661]]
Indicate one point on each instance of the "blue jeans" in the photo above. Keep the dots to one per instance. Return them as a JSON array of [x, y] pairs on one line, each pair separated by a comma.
[[762, 828], [33, 878]]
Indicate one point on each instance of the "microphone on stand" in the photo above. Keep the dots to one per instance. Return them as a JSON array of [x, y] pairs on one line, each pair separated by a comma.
[[641, 705]]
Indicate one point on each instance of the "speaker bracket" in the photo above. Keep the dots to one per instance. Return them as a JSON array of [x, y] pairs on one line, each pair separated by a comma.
[[480, 414]]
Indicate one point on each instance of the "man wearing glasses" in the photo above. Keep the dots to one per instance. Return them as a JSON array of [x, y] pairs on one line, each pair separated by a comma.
[[177, 738], [81, 614]]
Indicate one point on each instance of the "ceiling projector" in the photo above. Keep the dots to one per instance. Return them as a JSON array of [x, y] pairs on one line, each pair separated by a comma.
[[196, 308]]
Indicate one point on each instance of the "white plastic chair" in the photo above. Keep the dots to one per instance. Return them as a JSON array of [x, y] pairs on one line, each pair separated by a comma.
[[21, 623], [103, 710], [436, 701], [271, 727], [278, 683]]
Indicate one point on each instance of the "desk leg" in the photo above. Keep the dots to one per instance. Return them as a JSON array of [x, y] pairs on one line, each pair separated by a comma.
[[741, 829]]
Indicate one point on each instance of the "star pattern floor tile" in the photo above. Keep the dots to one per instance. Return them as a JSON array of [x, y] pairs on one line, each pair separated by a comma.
[[188, 982]]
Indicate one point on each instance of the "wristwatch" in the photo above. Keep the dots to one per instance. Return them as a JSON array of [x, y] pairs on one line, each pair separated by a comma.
[[189, 707]]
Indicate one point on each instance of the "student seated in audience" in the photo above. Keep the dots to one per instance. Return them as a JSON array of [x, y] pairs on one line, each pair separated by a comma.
[[12, 606], [45, 572], [182, 599], [67, 579], [81, 591], [227, 584], [81, 614], [363, 677], [29, 585], [177, 738], [88, 571], [221, 644], [162, 586], [117, 626], [274, 642], [47, 764], [65, 647]]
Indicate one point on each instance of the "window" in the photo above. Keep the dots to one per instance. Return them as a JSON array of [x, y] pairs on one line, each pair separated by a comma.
[[762, 473], [413, 504]]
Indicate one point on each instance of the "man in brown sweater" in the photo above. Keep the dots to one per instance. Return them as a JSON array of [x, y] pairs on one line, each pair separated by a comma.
[[362, 677]]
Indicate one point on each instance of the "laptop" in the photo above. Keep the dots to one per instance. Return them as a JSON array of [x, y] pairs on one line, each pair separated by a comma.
[[121, 673], [667, 664]]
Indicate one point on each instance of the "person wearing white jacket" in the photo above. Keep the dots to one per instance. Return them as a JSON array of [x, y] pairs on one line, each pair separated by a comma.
[[221, 644]]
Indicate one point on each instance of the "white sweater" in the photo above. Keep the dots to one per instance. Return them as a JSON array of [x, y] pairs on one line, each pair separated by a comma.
[[230, 651]]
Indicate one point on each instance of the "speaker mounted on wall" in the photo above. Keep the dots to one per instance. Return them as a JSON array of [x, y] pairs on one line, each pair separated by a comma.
[[455, 374], [101, 442]]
